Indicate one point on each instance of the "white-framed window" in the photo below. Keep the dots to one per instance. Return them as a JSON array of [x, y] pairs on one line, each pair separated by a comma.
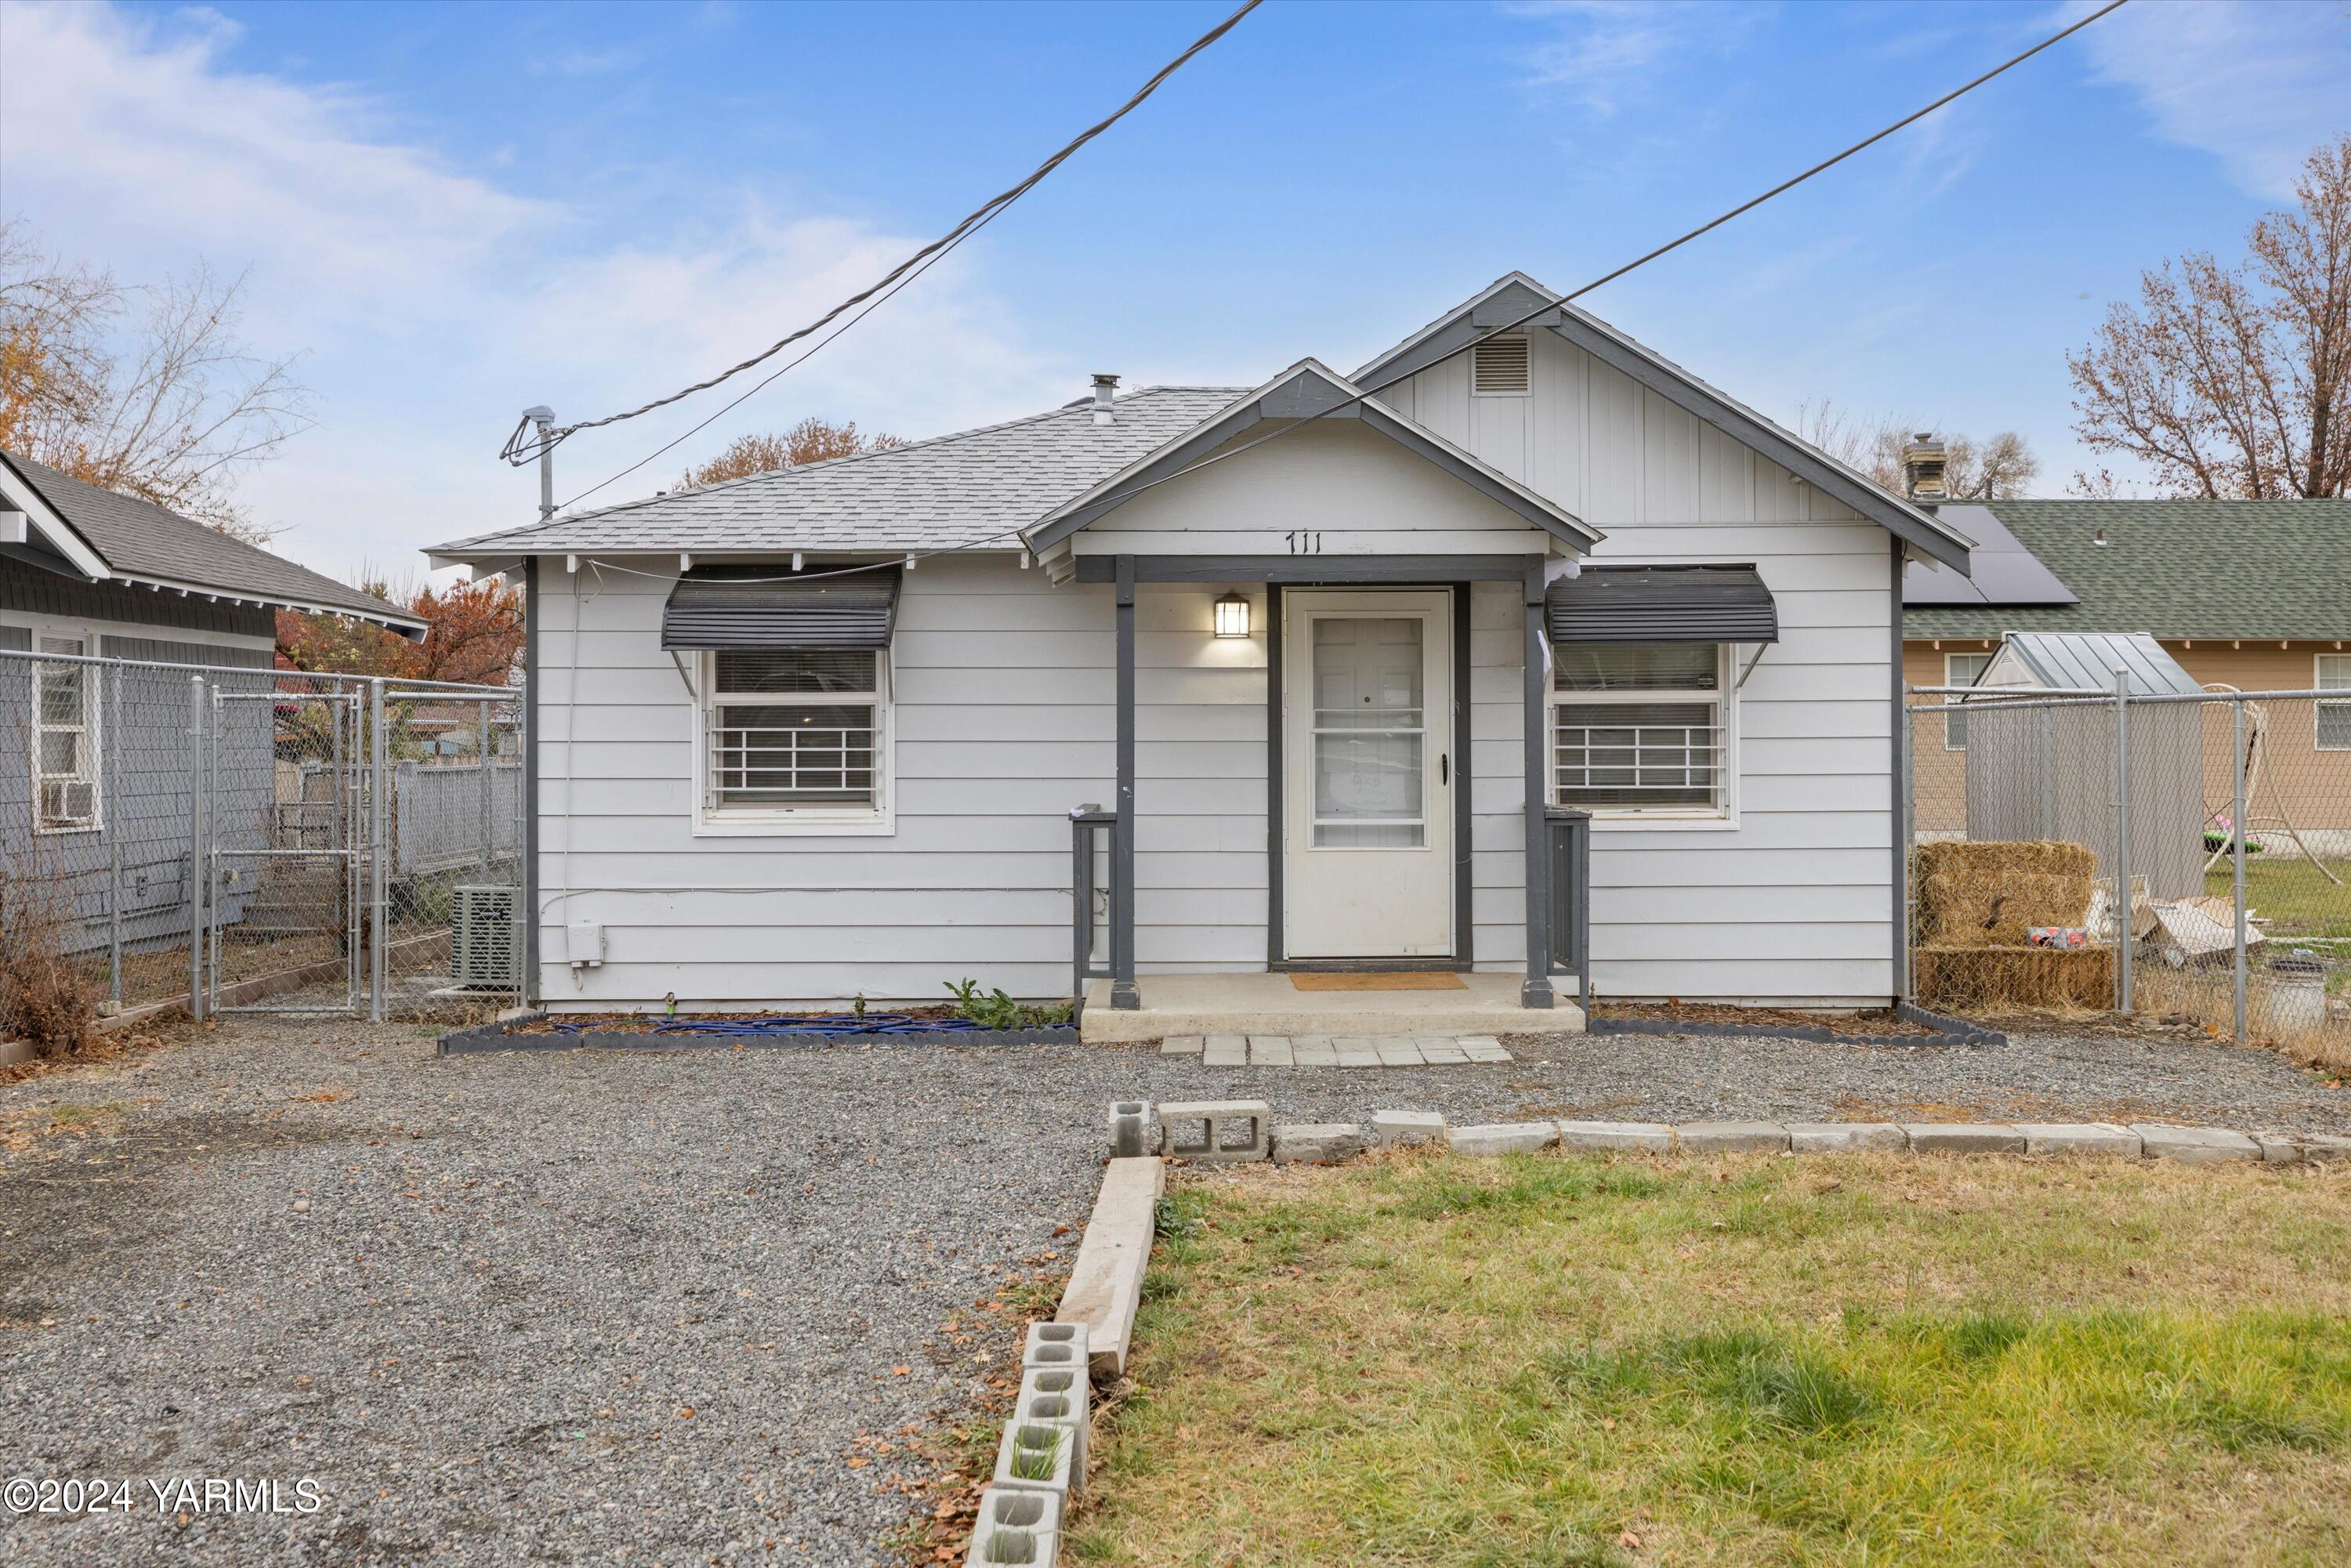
[[795, 740], [2334, 674], [65, 737], [1643, 730], [1960, 670]]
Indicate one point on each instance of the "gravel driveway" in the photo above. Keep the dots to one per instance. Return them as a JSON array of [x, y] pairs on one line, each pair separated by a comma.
[[473, 1298]]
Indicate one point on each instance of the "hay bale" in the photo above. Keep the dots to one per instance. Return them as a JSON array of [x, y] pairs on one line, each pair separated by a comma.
[[1998, 909], [2014, 979], [1992, 893]]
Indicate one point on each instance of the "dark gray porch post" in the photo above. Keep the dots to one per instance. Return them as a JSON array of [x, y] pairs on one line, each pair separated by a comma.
[[1122, 993], [1537, 992]]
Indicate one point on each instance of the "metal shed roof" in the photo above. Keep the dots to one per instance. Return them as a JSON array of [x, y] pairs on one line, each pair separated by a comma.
[[2086, 661]]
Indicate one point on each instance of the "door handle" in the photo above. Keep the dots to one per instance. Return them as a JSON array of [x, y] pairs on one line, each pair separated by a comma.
[[1444, 768]]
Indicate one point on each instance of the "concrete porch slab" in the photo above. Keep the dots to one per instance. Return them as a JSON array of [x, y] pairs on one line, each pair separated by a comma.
[[1263, 1004]]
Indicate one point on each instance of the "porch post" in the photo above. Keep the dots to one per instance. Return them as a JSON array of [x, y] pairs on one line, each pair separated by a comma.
[[1537, 992], [1122, 993]]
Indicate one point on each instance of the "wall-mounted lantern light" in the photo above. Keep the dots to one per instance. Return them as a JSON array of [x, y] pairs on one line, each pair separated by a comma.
[[1232, 616]]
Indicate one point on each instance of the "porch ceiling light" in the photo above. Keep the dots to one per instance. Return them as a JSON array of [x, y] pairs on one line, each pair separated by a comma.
[[1233, 616]]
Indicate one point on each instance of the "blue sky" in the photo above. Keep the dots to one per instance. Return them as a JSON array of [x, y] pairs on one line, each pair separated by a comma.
[[455, 211]]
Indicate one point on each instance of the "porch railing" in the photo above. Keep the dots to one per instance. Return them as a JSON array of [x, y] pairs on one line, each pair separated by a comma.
[[1090, 894]]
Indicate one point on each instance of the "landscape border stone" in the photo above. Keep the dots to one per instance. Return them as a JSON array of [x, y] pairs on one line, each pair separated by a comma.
[[500, 1035], [1947, 1031]]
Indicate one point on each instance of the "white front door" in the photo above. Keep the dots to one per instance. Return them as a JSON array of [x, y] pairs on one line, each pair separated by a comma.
[[1367, 707]]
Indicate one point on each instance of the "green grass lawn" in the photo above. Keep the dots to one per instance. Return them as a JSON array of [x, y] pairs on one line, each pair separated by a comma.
[[1547, 1361], [2289, 897]]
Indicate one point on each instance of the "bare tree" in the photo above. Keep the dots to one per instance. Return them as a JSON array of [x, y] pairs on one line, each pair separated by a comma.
[[148, 390], [812, 440], [2001, 468], [2236, 382]]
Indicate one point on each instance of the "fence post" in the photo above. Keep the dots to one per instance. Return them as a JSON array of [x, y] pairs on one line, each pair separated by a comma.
[[1905, 855], [490, 782], [110, 814], [2123, 912], [211, 854], [2237, 827], [379, 882], [196, 847]]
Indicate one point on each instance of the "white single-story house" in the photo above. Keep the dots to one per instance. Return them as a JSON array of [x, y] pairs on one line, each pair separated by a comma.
[[1324, 698]]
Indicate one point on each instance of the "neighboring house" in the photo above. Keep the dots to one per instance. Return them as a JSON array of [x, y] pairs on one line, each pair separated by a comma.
[[98, 777], [2255, 595], [1306, 668]]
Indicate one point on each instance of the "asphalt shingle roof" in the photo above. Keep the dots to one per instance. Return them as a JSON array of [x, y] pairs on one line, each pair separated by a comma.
[[2175, 569], [142, 540], [947, 491]]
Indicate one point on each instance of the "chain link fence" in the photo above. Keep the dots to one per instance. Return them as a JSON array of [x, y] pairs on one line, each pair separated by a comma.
[[2177, 856], [250, 839]]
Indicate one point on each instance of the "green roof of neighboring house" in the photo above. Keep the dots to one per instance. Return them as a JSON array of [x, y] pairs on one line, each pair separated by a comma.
[[2174, 569]]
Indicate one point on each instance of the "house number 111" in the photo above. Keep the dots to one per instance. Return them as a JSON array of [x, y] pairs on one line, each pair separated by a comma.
[[1305, 541]]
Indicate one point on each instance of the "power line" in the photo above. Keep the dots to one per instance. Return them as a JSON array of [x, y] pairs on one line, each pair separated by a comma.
[[518, 451], [1712, 223]]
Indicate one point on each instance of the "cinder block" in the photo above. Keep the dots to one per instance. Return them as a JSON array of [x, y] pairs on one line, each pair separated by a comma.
[[1503, 1137], [1964, 1138], [1844, 1137], [1182, 1045], [1016, 1527], [1133, 1130], [1396, 1129], [1059, 1394], [2079, 1138], [1731, 1137], [2325, 1147], [1317, 1142], [1637, 1137], [1037, 1455], [1271, 1050], [1229, 1130], [1061, 1346], [2194, 1145]]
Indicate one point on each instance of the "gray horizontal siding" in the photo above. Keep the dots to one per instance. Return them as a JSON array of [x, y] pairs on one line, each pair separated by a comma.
[[29, 590]]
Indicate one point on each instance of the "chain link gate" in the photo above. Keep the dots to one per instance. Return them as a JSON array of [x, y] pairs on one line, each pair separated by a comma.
[[254, 839]]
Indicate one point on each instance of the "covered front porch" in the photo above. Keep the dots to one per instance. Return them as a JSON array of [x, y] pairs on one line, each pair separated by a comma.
[[1374, 894]]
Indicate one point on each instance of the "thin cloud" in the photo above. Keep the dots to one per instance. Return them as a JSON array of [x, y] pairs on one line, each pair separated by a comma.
[[2257, 86], [1603, 55]]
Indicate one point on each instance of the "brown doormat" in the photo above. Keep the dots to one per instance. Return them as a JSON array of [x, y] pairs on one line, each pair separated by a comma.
[[1382, 980]]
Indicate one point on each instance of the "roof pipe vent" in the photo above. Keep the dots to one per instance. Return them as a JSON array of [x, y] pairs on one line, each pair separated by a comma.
[[1923, 463], [1105, 387]]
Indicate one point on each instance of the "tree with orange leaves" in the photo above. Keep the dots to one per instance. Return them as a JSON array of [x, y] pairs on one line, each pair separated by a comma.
[[474, 636]]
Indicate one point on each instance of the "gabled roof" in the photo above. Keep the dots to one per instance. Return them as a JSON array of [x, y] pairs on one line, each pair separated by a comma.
[[137, 542], [1516, 295], [1307, 390], [949, 492], [2087, 662], [2271, 569]]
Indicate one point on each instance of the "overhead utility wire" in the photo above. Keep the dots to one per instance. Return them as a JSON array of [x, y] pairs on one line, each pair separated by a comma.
[[1712, 223], [518, 450]]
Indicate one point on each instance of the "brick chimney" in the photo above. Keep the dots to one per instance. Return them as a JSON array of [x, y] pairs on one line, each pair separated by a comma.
[[1922, 468]]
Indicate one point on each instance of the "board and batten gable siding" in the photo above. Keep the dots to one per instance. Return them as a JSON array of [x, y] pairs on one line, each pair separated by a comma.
[[1796, 902], [1351, 488], [1003, 721]]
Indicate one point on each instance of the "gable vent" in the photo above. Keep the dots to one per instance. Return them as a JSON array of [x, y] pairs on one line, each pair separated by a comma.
[[1500, 366]]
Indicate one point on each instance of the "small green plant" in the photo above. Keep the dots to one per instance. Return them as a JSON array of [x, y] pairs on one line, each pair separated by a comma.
[[994, 1010], [1034, 1460]]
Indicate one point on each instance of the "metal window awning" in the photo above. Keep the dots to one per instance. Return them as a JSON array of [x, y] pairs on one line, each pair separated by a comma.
[[759, 607], [1663, 604]]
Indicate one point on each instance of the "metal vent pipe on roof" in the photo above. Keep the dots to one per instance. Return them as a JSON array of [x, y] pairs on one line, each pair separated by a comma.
[[1105, 388]]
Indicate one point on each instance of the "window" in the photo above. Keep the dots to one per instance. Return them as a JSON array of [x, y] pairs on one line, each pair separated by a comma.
[[1960, 670], [2335, 717], [1638, 729], [795, 736], [64, 738]]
